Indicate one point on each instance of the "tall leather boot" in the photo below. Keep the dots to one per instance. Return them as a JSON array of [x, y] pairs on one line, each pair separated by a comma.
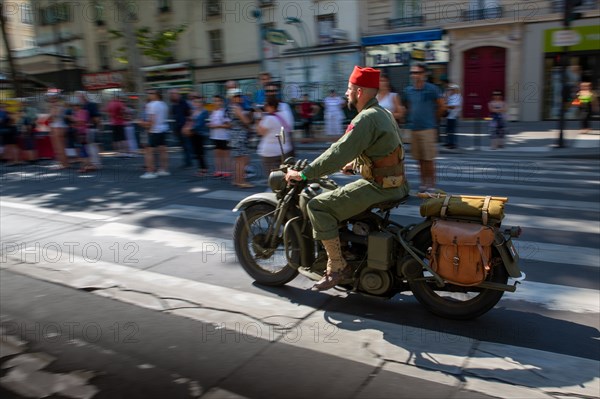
[[337, 268]]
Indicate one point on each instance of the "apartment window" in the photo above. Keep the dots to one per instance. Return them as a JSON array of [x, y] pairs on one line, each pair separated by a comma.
[[164, 6], [408, 13], [214, 45], [325, 24], [559, 5], [55, 13], [104, 56], [213, 8], [26, 14], [98, 13], [483, 9]]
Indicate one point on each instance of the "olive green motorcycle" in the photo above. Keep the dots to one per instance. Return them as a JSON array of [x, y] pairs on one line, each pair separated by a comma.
[[273, 242]]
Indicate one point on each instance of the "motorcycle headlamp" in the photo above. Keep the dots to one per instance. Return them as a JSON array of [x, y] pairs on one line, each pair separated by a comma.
[[277, 181]]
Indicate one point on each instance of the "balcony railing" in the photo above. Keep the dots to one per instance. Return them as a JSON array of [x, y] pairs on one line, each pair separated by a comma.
[[483, 13], [415, 20]]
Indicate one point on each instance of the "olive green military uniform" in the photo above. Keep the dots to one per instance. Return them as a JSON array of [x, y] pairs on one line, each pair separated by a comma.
[[372, 133]]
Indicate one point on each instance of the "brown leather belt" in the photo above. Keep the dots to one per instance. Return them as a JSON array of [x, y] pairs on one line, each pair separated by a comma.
[[390, 166]]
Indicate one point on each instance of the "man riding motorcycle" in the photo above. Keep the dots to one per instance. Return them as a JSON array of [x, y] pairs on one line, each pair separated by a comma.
[[370, 144]]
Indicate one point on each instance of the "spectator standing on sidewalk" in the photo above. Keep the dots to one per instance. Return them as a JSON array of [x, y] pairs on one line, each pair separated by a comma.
[[389, 99], [587, 101], [284, 111], [157, 113], [497, 108], [219, 133], [268, 128], [58, 128], [307, 110], [27, 119], [425, 105], [260, 96], [200, 132], [180, 112], [240, 123], [334, 116], [94, 129], [454, 106], [116, 117]]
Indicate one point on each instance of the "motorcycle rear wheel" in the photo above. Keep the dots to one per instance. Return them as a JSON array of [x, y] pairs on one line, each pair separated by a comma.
[[457, 302], [267, 267]]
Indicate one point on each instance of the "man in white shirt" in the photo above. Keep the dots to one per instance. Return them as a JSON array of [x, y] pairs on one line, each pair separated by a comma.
[[157, 113]]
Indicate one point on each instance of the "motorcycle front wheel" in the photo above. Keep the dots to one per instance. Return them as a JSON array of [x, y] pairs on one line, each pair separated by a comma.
[[266, 264], [453, 301]]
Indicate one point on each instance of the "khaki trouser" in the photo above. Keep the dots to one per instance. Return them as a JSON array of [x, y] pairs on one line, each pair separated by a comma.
[[328, 209]]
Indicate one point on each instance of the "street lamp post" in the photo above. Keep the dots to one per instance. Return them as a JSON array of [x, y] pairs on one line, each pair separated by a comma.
[[261, 56], [300, 25]]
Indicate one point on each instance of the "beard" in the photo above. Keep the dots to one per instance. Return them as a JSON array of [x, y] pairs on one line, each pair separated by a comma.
[[352, 104]]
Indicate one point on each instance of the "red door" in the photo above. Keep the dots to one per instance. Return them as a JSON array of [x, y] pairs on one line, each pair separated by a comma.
[[484, 70]]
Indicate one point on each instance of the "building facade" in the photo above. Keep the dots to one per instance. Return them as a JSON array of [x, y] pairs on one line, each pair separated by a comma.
[[308, 46], [482, 45]]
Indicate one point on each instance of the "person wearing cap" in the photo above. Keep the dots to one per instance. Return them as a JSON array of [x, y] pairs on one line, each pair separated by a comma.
[[370, 144], [454, 106], [425, 103], [239, 124]]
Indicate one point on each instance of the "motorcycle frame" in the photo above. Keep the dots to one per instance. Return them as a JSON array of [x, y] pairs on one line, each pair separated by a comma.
[[405, 235]]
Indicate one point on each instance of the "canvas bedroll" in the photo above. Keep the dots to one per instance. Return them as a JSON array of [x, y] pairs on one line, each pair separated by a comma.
[[488, 208]]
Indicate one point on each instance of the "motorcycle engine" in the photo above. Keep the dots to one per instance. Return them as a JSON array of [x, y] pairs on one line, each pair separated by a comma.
[[375, 282]]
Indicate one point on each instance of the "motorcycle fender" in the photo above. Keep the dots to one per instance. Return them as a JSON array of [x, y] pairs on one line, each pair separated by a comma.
[[258, 198], [509, 255], [418, 229]]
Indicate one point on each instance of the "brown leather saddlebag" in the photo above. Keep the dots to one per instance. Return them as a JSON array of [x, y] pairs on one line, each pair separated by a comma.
[[461, 251]]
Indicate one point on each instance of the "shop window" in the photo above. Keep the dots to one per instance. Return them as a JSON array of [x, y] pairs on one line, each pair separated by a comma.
[[215, 46], [325, 26]]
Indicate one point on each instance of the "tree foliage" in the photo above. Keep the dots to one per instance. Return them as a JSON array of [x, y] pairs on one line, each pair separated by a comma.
[[154, 45]]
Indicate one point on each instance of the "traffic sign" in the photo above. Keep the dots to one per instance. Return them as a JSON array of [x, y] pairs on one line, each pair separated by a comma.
[[565, 38], [277, 36]]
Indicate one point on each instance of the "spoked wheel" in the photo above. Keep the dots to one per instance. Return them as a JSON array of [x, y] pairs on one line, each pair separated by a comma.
[[264, 262], [454, 301]]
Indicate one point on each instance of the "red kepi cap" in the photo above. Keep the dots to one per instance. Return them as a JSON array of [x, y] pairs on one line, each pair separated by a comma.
[[365, 77]]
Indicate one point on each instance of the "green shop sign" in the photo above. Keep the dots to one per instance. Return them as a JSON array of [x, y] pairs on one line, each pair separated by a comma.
[[588, 39]]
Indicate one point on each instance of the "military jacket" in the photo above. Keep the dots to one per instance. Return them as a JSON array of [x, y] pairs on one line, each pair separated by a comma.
[[373, 133]]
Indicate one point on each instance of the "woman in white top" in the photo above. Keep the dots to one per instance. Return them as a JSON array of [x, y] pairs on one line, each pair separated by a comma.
[[58, 128], [268, 128], [388, 99], [219, 133], [334, 116]]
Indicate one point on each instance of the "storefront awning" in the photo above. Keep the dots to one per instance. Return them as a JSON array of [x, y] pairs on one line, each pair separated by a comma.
[[404, 37]]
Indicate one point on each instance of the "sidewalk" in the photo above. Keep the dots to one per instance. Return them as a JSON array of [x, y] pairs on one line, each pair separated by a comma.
[[536, 138]]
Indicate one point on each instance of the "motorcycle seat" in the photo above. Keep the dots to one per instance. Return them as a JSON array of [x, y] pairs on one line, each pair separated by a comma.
[[387, 205]]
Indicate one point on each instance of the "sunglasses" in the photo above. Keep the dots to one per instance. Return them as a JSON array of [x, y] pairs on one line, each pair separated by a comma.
[[416, 72]]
